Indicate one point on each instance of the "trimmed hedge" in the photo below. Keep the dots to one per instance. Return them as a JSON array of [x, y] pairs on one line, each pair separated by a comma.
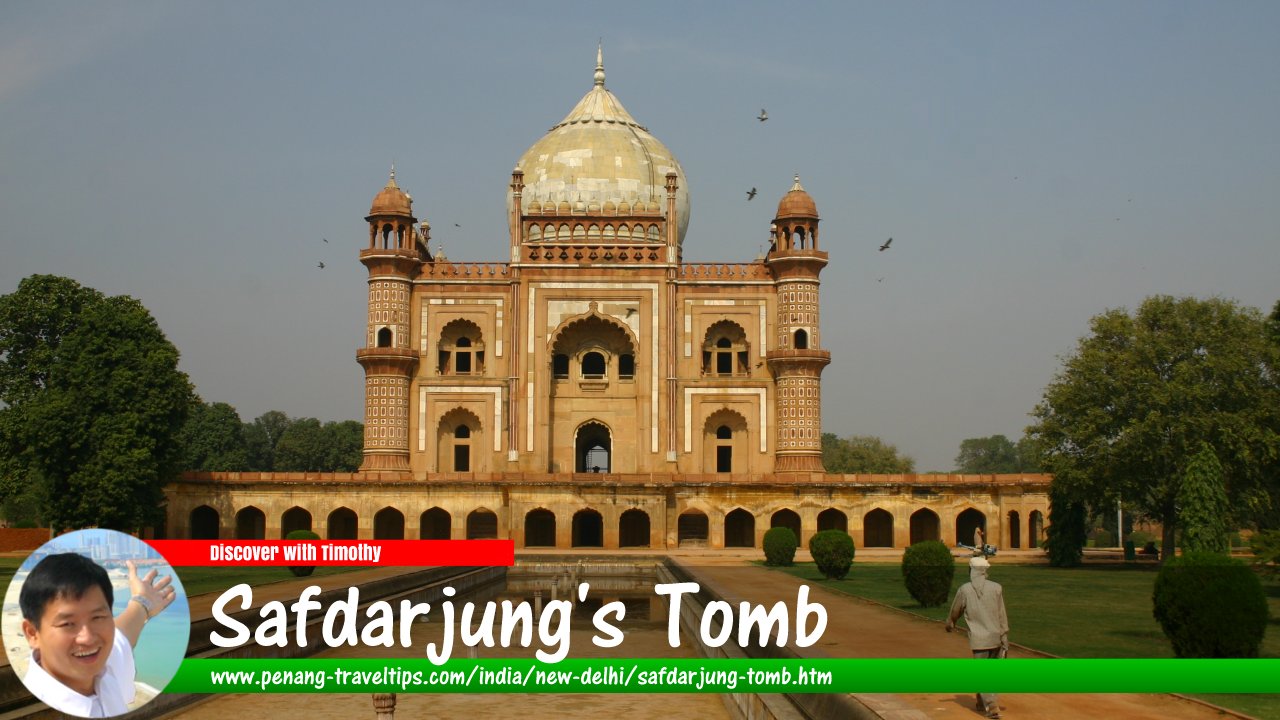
[[927, 571], [780, 546], [302, 570], [1210, 606], [832, 552]]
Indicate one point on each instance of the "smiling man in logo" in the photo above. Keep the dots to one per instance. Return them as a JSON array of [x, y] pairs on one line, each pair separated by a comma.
[[82, 657]]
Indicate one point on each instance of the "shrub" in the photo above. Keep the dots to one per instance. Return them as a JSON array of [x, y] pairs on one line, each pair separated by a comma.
[[1266, 550], [832, 552], [302, 570], [780, 546], [927, 570], [1210, 606]]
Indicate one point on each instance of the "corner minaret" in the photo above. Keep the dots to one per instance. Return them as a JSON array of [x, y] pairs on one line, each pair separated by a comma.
[[388, 357], [797, 360]]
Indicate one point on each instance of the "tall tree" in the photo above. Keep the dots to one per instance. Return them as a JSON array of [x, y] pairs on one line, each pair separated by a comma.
[[94, 402], [1140, 394], [1202, 505], [988, 455], [213, 439], [863, 454], [345, 442], [261, 437]]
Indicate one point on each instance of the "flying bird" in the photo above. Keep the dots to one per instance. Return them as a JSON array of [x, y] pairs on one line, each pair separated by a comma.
[[880, 279], [457, 225], [751, 194], [763, 115], [325, 239], [886, 244], [321, 266]]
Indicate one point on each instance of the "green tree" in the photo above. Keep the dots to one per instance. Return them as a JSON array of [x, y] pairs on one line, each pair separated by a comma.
[[345, 441], [988, 455], [863, 454], [309, 446], [261, 437], [213, 439], [1202, 505], [1140, 394], [94, 402], [1029, 456]]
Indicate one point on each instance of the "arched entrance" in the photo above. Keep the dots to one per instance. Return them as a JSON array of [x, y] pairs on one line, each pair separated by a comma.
[[293, 519], [540, 528], [588, 529], [1036, 530], [435, 524], [482, 524], [633, 528], [342, 524], [786, 518], [925, 525], [1015, 530], [739, 529], [969, 521], [877, 529], [251, 524], [388, 524], [204, 523], [833, 519], [692, 529], [592, 448]]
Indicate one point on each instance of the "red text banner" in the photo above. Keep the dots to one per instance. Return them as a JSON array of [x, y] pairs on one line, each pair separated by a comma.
[[371, 553]]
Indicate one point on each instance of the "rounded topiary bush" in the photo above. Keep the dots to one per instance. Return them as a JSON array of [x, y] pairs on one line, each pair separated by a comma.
[[1210, 606], [302, 570], [832, 552], [927, 571], [780, 546]]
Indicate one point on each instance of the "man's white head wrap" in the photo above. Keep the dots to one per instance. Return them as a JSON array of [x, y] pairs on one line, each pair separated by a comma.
[[978, 567]]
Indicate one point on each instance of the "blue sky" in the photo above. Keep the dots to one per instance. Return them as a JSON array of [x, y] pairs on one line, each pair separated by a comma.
[[1035, 164]]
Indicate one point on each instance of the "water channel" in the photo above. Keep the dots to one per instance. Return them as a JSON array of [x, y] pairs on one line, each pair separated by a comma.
[[628, 580]]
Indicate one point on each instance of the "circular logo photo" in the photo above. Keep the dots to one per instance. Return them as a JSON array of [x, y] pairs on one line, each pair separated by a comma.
[[95, 623]]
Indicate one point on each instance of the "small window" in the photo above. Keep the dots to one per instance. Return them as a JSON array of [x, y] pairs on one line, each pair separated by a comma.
[[626, 366], [560, 366], [802, 340], [462, 458], [462, 432], [384, 337], [724, 433], [593, 365], [724, 459]]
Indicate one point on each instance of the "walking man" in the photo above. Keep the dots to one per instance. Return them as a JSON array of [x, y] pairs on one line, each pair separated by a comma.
[[981, 603]]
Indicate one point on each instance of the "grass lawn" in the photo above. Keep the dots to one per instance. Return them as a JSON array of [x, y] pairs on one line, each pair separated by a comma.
[[1094, 611]]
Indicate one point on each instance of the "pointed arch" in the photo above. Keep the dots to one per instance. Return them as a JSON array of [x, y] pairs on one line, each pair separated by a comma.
[[460, 348], [295, 518], [593, 447], [482, 524], [342, 524], [588, 528], [459, 441], [968, 521], [739, 529], [539, 528], [388, 524], [693, 527], [787, 518], [725, 442], [925, 525], [877, 528], [833, 519], [204, 523], [633, 528], [251, 524], [435, 524], [725, 349]]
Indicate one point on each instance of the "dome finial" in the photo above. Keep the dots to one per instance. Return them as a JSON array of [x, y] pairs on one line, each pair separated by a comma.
[[600, 63], [391, 182], [796, 186]]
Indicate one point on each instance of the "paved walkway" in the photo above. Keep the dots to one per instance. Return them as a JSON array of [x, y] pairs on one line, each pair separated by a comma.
[[861, 629]]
